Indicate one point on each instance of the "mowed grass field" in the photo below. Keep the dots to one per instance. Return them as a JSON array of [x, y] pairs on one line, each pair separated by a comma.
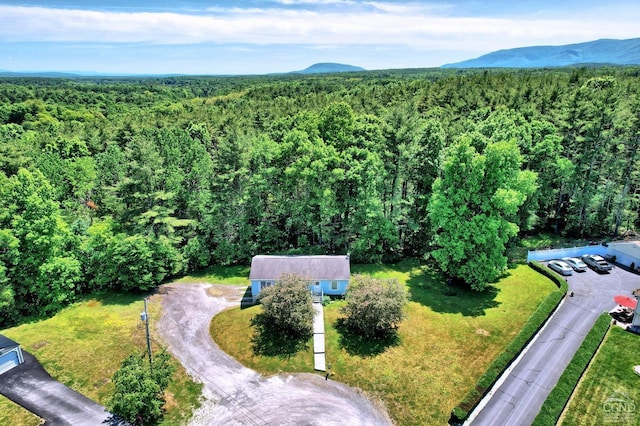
[[448, 340], [227, 275], [84, 344], [609, 392]]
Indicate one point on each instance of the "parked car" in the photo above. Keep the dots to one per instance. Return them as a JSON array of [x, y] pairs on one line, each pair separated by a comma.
[[597, 263], [560, 267], [576, 263]]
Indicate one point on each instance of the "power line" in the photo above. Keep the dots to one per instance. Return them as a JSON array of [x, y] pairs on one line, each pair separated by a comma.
[[235, 405]]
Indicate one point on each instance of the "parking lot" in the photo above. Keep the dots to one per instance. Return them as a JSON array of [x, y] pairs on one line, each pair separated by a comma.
[[519, 397], [598, 290]]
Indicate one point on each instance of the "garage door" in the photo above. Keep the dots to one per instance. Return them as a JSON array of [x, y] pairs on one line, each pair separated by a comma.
[[8, 361]]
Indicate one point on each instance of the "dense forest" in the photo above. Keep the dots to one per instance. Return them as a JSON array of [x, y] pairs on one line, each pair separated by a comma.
[[122, 183]]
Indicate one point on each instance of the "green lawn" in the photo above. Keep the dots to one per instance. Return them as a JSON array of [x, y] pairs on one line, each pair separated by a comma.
[[448, 340], [85, 343], [13, 414], [609, 392], [227, 275]]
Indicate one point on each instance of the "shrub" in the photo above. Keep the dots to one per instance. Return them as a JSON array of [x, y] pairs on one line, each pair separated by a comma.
[[288, 305], [139, 392], [374, 307]]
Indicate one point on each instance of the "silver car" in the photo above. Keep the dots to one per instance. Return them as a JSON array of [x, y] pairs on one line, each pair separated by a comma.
[[577, 264], [596, 262], [560, 267]]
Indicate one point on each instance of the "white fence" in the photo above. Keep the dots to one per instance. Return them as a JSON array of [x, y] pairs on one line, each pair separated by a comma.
[[541, 255]]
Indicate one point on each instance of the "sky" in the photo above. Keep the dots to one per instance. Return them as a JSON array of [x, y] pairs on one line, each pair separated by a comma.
[[271, 36]]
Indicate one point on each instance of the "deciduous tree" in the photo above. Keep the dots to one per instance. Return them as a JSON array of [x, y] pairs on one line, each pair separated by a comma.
[[139, 392], [473, 209]]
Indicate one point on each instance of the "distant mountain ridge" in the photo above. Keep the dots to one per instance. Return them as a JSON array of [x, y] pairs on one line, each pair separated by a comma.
[[329, 67], [603, 51], [44, 74], [319, 68]]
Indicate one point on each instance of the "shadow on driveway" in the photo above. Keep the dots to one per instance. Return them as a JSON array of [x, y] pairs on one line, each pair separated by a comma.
[[30, 386]]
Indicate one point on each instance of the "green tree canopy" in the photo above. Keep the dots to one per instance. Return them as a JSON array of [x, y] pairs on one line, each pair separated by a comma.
[[474, 207]]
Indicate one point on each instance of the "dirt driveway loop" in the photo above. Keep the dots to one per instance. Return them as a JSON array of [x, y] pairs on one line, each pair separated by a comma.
[[236, 395]]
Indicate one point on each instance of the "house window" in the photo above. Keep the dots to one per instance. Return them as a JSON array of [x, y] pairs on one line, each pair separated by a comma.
[[334, 285], [265, 284]]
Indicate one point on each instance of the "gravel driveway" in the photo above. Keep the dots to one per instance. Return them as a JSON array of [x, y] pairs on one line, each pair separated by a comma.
[[236, 395]]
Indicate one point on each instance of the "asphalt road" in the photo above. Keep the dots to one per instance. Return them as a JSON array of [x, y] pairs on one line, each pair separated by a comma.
[[236, 395], [518, 399], [30, 386]]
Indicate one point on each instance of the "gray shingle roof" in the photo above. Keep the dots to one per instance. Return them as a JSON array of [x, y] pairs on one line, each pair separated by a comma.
[[6, 343], [265, 267]]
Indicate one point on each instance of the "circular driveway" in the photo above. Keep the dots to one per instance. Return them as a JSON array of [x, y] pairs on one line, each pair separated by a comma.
[[236, 395]]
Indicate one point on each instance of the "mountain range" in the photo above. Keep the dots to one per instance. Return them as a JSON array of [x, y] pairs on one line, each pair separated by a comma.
[[598, 52], [328, 67], [604, 51], [319, 68]]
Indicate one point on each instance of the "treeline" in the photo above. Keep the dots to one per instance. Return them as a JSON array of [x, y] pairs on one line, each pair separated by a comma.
[[121, 183]]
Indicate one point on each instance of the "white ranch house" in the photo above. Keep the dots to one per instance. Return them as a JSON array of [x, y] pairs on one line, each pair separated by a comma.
[[327, 275]]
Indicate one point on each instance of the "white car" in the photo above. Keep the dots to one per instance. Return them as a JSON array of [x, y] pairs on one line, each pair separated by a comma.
[[560, 267], [577, 264]]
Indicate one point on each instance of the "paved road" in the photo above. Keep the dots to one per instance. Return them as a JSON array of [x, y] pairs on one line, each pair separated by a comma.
[[30, 386], [518, 399], [236, 395]]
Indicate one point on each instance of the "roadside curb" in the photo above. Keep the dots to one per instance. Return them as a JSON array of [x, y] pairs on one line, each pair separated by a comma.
[[485, 400]]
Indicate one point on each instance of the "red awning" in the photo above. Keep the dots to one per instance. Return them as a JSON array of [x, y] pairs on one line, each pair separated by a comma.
[[626, 301]]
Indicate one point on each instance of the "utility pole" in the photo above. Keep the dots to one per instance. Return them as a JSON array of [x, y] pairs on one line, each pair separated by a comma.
[[145, 317]]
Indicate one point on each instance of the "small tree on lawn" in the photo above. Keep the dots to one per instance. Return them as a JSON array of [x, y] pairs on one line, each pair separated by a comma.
[[139, 393], [288, 307], [374, 307]]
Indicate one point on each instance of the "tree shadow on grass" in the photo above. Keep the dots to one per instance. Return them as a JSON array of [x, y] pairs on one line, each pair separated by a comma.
[[113, 297], [269, 340], [358, 344], [222, 272], [429, 288]]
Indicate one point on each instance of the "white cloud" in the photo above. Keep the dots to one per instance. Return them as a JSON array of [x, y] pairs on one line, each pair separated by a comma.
[[409, 24], [407, 8], [315, 2]]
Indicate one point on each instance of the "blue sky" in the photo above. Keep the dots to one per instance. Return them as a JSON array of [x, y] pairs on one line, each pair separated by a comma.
[[266, 36]]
